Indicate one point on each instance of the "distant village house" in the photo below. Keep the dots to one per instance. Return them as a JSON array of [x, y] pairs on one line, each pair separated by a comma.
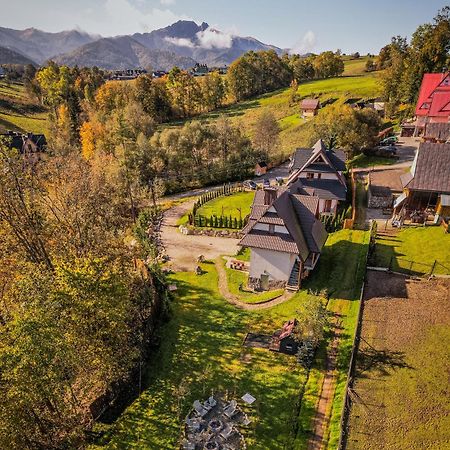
[[309, 107], [25, 143], [127, 74]]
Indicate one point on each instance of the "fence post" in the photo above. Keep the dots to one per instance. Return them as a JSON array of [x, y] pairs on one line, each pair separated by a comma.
[[433, 267]]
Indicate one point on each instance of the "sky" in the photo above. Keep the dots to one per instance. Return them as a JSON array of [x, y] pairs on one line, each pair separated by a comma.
[[304, 26]]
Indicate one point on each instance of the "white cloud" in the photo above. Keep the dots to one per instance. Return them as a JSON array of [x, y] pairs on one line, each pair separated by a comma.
[[167, 2], [306, 44], [211, 38], [182, 42], [121, 17]]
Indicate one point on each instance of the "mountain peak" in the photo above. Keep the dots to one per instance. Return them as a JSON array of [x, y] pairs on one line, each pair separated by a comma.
[[185, 28]]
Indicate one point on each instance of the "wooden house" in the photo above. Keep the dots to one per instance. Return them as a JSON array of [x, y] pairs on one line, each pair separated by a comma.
[[426, 187], [309, 107]]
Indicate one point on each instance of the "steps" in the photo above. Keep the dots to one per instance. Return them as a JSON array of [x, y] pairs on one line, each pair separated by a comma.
[[293, 283]]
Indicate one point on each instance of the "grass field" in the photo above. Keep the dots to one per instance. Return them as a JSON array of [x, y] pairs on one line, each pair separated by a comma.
[[18, 112], [418, 244], [294, 129], [401, 380], [344, 284], [362, 160], [355, 66], [202, 351], [234, 204]]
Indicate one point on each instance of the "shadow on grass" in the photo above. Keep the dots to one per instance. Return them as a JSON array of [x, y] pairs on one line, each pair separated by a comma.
[[379, 362], [201, 352]]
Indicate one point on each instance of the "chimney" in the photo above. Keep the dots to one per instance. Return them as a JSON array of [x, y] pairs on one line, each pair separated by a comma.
[[270, 195]]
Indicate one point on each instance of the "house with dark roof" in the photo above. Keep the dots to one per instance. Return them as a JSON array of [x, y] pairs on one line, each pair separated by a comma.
[[319, 172], [433, 104], [426, 187], [309, 107], [285, 238], [25, 143]]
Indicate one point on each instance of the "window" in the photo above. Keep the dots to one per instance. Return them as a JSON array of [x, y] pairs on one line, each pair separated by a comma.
[[319, 175], [271, 228], [327, 207], [309, 175]]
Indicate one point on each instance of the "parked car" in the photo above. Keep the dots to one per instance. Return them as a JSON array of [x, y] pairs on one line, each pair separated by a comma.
[[391, 140], [250, 184], [389, 151], [266, 183]]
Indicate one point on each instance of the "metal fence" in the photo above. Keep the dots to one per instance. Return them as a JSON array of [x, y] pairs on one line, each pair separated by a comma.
[[395, 264]]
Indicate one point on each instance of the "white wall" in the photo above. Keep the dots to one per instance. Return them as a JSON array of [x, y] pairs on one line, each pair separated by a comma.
[[334, 204], [277, 264]]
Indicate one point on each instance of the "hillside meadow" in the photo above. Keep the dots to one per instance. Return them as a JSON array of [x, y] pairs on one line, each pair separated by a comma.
[[294, 129], [18, 112]]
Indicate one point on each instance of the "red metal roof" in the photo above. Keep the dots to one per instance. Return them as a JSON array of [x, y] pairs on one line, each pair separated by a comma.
[[434, 95]]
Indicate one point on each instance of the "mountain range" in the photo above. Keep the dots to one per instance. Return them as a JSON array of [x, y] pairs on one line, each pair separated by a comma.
[[181, 44]]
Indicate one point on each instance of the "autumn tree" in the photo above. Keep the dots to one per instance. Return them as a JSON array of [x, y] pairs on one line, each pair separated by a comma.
[[256, 73], [185, 92], [154, 98], [213, 91], [327, 64], [341, 126], [266, 135]]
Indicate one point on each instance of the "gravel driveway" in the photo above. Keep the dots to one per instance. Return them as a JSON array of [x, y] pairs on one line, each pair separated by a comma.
[[183, 250]]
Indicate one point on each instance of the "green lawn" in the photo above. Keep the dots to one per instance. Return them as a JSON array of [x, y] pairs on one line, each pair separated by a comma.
[[362, 160], [20, 113], [344, 282], [355, 66], [422, 245], [202, 351], [229, 205]]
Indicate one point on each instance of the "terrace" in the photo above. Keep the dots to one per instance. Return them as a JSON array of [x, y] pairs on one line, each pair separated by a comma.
[[214, 425]]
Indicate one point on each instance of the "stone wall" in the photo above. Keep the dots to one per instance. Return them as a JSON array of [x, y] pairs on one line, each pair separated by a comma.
[[210, 232], [255, 284]]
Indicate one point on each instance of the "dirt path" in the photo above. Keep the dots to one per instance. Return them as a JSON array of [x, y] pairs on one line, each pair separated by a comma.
[[233, 299], [323, 410]]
